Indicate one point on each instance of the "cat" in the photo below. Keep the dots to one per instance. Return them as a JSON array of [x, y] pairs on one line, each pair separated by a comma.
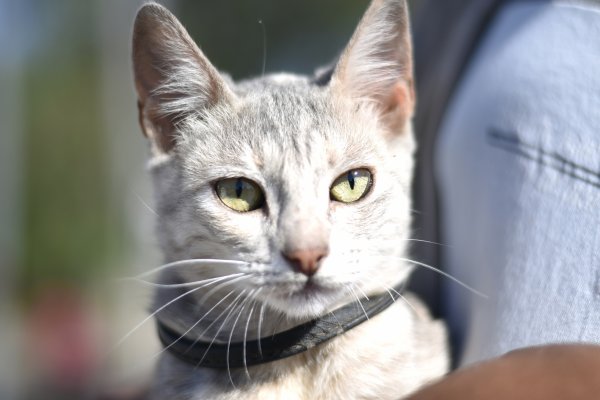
[[281, 199]]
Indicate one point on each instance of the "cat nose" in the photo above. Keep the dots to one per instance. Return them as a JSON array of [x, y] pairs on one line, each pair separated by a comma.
[[306, 261]]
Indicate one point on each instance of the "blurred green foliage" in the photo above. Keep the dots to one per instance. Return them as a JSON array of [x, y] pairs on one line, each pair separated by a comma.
[[67, 219], [70, 230]]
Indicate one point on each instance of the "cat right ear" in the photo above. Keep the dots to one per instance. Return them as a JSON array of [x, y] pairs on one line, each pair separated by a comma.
[[376, 66], [173, 78]]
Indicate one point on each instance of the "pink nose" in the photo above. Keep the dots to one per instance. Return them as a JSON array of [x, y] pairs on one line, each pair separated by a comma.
[[306, 262]]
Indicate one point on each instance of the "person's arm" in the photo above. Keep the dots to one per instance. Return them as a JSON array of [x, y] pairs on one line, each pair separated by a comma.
[[546, 373]]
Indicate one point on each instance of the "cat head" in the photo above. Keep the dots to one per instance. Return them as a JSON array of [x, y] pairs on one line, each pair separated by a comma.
[[308, 184]]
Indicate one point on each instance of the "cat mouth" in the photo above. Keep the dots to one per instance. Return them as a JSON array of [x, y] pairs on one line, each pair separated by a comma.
[[308, 289], [307, 298], [312, 288]]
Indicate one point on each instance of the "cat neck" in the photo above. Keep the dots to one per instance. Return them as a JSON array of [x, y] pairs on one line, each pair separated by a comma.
[[218, 320], [299, 339], [226, 317], [388, 369]]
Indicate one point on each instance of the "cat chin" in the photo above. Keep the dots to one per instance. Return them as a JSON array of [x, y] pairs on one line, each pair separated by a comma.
[[302, 311], [306, 304]]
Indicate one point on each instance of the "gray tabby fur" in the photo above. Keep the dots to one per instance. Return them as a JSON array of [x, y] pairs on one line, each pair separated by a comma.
[[293, 138]]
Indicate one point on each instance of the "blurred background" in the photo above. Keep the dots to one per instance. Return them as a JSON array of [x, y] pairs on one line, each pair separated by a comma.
[[75, 202]]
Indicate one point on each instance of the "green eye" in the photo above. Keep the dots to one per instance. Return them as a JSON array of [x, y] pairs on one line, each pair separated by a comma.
[[240, 194], [351, 186]]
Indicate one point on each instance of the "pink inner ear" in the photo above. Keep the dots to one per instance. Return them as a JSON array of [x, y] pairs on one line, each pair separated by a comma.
[[400, 104], [157, 128]]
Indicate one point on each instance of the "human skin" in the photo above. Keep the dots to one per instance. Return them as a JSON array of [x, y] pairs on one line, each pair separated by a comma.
[[546, 372]]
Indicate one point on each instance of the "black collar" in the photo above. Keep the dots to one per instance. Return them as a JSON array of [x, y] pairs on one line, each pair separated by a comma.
[[277, 346]]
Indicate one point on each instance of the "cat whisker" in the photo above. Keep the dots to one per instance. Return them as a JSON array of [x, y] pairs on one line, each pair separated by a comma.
[[357, 299], [390, 293], [388, 289], [243, 306], [260, 321], [426, 241], [145, 204], [391, 290], [186, 284], [222, 285], [362, 291], [447, 275], [186, 263], [232, 307], [337, 321], [194, 325], [264, 34], [439, 271], [228, 308], [246, 331], [408, 303], [278, 324], [135, 328]]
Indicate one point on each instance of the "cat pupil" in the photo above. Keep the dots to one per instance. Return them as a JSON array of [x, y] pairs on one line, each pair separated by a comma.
[[351, 179], [239, 186]]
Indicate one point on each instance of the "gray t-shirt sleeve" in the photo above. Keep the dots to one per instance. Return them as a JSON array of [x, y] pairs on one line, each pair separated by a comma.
[[517, 166]]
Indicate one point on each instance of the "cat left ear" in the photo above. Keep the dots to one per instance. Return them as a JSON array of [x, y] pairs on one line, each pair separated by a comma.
[[173, 78], [377, 65]]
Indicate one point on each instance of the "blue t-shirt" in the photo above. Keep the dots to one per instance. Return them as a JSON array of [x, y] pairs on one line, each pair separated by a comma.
[[517, 167]]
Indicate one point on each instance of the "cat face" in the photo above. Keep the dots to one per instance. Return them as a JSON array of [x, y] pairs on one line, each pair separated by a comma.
[[306, 184]]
